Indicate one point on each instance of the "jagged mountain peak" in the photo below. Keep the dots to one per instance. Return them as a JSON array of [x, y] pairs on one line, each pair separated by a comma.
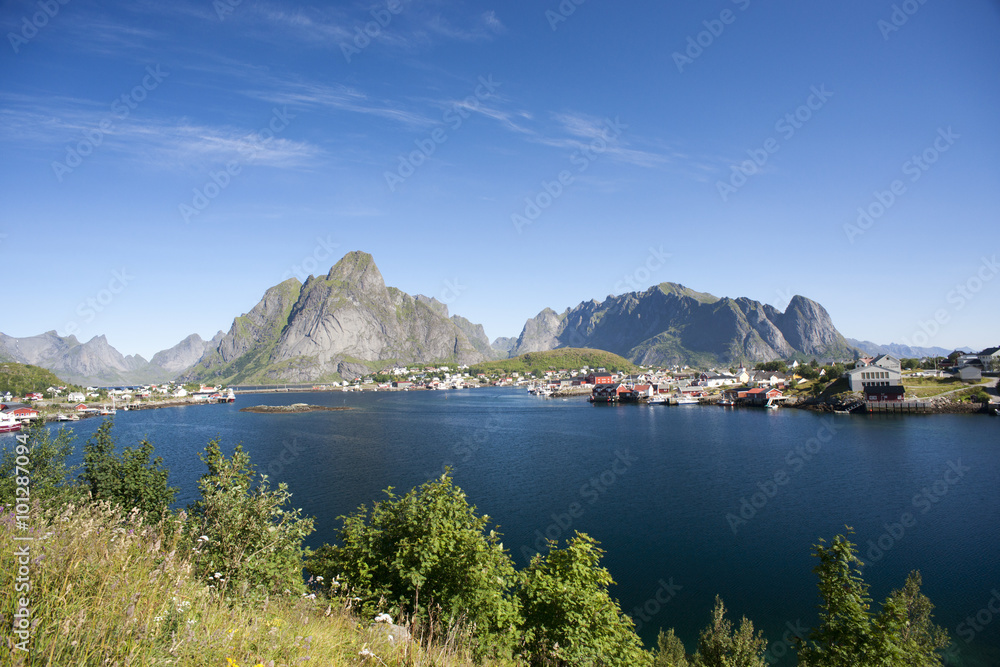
[[357, 269]]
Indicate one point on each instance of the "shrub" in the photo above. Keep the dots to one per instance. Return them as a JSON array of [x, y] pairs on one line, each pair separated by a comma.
[[569, 617], [132, 479], [720, 646], [902, 634], [427, 554], [51, 477], [670, 650], [245, 541]]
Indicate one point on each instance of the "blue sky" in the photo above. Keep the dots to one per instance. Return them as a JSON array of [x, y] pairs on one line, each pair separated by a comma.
[[165, 163]]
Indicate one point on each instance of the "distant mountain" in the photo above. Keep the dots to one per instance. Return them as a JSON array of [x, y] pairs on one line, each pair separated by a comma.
[[673, 324], [182, 356], [96, 362], [503, 345], [341, 325], [93, 362], [902, 351]]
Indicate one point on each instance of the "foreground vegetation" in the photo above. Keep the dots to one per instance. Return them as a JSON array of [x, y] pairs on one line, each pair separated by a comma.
[[116, 578]]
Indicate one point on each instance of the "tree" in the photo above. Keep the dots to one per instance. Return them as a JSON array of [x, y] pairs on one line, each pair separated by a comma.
[[670, 651], [719, 646], [772, 366], [52, 479], [428, 555], [569, 615], [851, 635], [245, 540], [132, 479]]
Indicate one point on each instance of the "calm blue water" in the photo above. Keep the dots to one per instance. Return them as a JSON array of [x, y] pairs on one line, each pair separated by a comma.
[[655, 485]]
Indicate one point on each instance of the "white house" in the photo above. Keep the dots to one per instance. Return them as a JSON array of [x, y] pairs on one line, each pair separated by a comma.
[[76, 397], [861, 377], [180, 392]]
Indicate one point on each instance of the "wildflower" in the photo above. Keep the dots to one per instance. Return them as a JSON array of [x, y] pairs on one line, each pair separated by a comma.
[[319, 578], [383, 618], [311, 596], [366, 653], [218, 575], [203, 538]]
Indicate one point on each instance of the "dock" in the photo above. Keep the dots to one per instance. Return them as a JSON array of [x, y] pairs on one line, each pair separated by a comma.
[[897, 407]]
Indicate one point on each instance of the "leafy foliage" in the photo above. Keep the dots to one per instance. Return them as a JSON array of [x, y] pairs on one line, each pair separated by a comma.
[[132, 479], [427, 554], [720, 646], [772, 366], [569, 617], [51, 476], [245, 534], [670, 651], [851, 635]]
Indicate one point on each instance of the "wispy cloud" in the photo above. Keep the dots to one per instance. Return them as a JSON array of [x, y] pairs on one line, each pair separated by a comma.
[[49, 125], [583, 130]]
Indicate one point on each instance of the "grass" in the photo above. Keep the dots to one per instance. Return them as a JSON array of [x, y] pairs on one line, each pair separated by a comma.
[[930, 387], [107, 589]]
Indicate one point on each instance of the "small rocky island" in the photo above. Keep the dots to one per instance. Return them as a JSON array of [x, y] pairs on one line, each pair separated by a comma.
[[291, 409]]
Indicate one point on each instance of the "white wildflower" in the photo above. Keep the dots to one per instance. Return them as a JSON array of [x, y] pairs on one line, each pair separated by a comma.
[[383, 618]]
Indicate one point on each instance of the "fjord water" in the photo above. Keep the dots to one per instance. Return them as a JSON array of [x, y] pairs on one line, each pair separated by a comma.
[[655, 485]]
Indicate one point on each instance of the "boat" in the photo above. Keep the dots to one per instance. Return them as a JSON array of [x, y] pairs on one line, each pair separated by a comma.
[[687, 400], [659, 400], [9, 424], [726, 402], [67, 418], [771, 406]]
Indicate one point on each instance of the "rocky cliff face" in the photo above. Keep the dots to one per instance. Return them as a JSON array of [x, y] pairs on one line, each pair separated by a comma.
[[182, 356], [343, 324], [672, 324]]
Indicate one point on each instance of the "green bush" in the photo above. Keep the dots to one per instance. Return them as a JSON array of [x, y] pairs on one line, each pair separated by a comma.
[[902, 634], [131, 479], [569, 617], [720, 646], [244, 541], [51, 477], [427, 555], [670, 651]]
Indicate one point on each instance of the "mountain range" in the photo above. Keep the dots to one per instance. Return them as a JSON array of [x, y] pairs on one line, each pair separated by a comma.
[[349, 323]]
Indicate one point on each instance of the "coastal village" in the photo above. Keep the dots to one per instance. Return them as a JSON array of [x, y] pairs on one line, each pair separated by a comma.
[[867, 384]]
